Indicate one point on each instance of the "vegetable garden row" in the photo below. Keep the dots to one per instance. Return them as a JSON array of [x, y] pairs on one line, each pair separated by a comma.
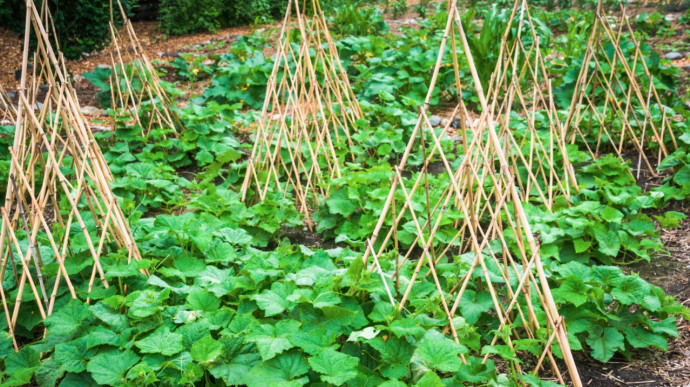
[[449, 204]]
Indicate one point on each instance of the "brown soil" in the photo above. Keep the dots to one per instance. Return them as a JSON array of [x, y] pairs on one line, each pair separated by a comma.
[[151, 39]]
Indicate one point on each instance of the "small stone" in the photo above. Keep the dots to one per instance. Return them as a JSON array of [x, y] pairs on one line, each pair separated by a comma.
[[12, 94], [206, 43], [673, 55], [161, 54], [103, 67], [435, 121], [77, 78], [38, 106], [97, 128], [444, 122], [670, 17], [85, 54], [92, 111], [456, 123], [207, 62], [45, 87]]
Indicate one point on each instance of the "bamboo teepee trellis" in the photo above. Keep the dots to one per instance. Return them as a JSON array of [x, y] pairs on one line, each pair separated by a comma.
[[309, 114], [615, 104], [136, 91], [477, 223], [520, 93], [60, 215]]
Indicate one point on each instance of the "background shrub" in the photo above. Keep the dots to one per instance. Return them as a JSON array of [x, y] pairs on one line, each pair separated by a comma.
[[82, 26]]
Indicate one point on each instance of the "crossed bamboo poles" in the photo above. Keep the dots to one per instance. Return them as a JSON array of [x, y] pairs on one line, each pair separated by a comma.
[[614, 125], [136, 92], [55, 158], [485, 207], [307, 119], [520, 84], [8, 113]]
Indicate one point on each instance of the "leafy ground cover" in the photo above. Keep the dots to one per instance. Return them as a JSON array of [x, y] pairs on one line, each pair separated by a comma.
[[237, 297]]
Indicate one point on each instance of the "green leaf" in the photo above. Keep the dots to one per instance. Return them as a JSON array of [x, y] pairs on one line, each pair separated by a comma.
[[639, 337], [504, 351], [605, 342], [101, 335], [273, 339], [233, 373], [274, 301], [48, 373], [68, 318], [609, 242], [285, 369], [573, 289], [334, 367], [206, 350], [473, 304], [395, 354], [671, 219], [26, 359], [339, 203], [666, 326], [611, 215], [439, 352], [581, 245], [109, 367], [630, 290], [235, 236], [430, 379], [476, 371], [72, 355], [161, 341], [203, 301]]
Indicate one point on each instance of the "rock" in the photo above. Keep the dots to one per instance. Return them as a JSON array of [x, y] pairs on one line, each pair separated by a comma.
[[207, 62], [444, 122], [92, 111], [164, 54], [45, 87], [85, 54], [38, 106], [435, 121], [103, 66], [456, 123], [206, 43], [673, 56], [77, 78], [670, 17], [12, 94], [97, 128]]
